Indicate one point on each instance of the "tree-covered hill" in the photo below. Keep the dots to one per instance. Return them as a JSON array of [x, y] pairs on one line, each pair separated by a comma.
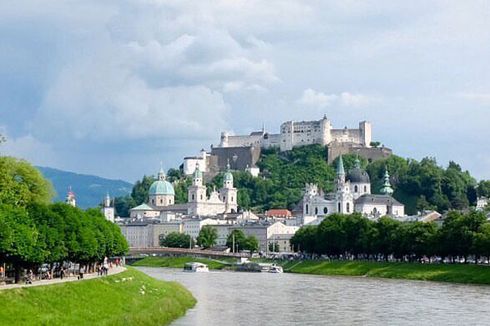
[[418, 184], [90, 190]]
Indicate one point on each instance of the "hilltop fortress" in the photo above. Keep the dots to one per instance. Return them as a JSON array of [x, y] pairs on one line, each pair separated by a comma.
[[301, 133], [243, 151]]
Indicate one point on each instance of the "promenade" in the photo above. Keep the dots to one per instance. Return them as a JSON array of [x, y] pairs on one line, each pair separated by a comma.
[[89, 276]]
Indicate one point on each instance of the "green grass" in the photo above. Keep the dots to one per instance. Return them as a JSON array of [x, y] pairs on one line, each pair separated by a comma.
[[179, 262], [457, 273], [128, 298]]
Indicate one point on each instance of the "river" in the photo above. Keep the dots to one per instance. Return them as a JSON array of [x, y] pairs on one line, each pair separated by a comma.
[[231, 298]]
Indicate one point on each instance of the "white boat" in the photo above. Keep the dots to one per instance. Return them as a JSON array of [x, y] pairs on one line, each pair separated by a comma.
[[196, 267], [276, 269]]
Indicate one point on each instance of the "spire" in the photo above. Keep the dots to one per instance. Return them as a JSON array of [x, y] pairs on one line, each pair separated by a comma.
[[340, 166], [357, 163], [386, 189], [228, 168], [161, 173]]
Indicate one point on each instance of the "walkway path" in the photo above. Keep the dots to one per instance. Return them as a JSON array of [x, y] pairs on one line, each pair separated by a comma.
[[112, 271]]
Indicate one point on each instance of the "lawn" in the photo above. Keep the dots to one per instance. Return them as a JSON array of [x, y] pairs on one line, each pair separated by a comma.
[[456, 273], [179, 262], [128, 298]]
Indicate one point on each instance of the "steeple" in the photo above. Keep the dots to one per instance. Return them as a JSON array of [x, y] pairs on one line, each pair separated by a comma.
[[340, 166], [197, 176], [70, 198], [161, 173], [357, 163], [107, 200], [386, 189]]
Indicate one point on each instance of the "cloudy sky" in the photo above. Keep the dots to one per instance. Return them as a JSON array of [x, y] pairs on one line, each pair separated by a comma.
[[114, 87]]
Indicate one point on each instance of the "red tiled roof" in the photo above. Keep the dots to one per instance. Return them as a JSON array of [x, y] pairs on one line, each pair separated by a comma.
[[278, 212]]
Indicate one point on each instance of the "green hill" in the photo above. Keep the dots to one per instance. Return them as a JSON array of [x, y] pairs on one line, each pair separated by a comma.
[[90, 190]]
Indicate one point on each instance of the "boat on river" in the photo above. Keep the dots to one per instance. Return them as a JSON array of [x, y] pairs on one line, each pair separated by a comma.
[[275, 269], [196, 267]]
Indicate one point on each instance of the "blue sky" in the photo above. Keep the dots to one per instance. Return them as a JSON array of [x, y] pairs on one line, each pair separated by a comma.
[[114, 87]]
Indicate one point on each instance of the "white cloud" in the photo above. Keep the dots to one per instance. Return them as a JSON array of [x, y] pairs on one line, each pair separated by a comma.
[[317, 99], [480, 98], [29, 148]]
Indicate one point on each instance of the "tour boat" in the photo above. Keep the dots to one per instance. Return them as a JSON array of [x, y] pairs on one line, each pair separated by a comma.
[[196, 267], [275, 269]]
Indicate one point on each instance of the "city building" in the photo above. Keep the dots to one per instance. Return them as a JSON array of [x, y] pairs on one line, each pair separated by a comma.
[[353, 194], [161, 199], [108, 209], [266, 232], [71, 198]]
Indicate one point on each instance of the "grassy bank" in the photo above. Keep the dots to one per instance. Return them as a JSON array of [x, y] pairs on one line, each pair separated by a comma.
[[457, 273], [179, 262], [128, 298]]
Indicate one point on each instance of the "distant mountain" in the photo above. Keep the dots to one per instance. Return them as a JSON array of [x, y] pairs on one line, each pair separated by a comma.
[[89, 190]]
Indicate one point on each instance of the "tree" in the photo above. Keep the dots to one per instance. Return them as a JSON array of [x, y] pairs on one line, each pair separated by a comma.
[[238, 238], [177, 240], [21, 184], [482, 241], [207, 236], [141, 188], [251, 243], [305, 239]]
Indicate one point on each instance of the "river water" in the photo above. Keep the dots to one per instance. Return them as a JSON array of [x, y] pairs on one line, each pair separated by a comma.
[[232, 298]]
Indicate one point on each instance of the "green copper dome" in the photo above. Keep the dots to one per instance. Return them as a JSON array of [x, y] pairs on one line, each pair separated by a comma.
[[228, 176], [161, 187]]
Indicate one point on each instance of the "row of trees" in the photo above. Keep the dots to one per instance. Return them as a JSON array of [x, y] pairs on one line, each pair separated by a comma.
[[34, 232], [461, 235], [208, 235]]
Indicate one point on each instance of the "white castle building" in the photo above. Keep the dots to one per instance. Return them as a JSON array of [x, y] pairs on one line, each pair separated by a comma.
[[352, 194], [300, 133], [161, 198]]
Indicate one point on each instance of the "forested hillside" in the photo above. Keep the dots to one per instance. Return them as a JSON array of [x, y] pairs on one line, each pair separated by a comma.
[[418, 184]]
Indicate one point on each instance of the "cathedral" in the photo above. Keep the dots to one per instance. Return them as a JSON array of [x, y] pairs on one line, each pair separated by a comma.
[[161, 198], [352, 194]]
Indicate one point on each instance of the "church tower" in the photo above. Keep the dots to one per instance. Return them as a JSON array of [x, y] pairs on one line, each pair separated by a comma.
[[386, 189], [196, 192], [70, 198], [107, 209], [343, 197], [228, 193]]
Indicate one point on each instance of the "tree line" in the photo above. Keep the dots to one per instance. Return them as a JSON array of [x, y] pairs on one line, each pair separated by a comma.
[[207, 238], [34, 232], [461, 235]]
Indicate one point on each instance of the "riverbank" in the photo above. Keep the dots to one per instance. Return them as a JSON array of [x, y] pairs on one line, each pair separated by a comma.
[[128, 298], [179, 262], [454, 273]]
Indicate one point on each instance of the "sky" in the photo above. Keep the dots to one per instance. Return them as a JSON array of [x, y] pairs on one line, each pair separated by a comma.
[[113, 88]]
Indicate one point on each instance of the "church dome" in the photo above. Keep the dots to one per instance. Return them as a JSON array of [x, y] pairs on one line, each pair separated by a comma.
[[228, 176], [161, 187], [358, 175]]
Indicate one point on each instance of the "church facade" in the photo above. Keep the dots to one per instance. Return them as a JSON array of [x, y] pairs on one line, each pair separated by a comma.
[[161, 198], [352, 194]]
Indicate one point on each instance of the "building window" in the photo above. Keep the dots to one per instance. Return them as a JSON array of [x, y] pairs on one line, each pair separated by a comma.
[[161, 201], [365, 188], [325, 210], [316, 210], [339, 207], [201, 197], [355, 188], [232, 199], [192, 196], [306, 209], [153, 201], [348, 207]]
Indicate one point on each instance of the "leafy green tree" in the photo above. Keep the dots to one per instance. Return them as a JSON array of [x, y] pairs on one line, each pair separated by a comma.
[[252, 244], [141, 188], [21, 184], [238, 238], [177, 240], [305, 239], [483, 188], [122, 205], [207, 237], [482, 241]]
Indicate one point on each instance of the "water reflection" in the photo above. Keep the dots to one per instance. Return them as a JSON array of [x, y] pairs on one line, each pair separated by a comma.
[[227, 298]]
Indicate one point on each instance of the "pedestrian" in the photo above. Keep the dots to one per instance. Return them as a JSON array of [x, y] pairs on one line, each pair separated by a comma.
[[62, 272]]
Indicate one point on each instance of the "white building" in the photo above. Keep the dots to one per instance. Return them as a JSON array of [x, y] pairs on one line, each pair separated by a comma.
[[71, 198], [161, 201], [301, 133], [265, 233], [143, 234], [353, 194], [107, 209], [192, 162], [481, 203]]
